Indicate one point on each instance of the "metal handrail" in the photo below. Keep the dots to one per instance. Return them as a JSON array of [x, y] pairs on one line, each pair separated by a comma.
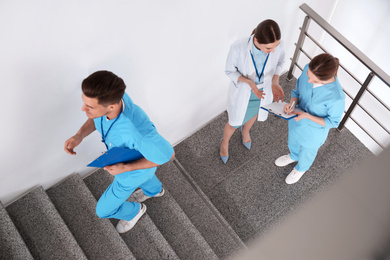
[[344, 68], [346, 44], [367, 133], [373, 68], [353, 119], [350, 96], [324, 50]]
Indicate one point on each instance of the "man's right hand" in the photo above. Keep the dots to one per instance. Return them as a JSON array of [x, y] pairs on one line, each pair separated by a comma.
[[71, 143]]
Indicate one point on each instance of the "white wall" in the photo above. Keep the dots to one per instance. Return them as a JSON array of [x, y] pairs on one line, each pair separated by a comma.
[[371, 34], [170, 53]]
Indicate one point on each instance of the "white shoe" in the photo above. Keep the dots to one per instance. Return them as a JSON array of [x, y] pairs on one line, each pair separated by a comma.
[[141, 197], [284, 160], [124, 225], [294, 176]]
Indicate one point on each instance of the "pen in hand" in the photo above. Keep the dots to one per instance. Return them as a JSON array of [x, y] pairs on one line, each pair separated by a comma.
[[291, 107]]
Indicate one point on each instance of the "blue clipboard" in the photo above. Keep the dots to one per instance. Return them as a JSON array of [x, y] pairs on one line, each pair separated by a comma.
[[276, 108], [116, 155]]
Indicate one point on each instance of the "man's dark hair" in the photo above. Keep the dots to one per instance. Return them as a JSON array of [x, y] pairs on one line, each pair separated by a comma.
[[104, 85]]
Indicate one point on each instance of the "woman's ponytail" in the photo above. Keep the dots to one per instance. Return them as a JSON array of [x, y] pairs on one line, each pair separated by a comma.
[[324, 66], [267, 31], [253, 32]]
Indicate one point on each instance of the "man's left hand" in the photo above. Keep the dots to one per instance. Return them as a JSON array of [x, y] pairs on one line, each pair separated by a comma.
[[278, 92], [115, 169]]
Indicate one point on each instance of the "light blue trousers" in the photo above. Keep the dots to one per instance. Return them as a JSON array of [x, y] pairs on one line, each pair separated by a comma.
[[304, 155], [113, 204]]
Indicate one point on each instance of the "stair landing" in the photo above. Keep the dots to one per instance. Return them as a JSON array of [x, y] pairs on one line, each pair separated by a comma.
[[250, 191]]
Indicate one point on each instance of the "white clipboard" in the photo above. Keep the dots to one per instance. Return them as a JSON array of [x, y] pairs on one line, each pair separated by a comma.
[[276, 108]]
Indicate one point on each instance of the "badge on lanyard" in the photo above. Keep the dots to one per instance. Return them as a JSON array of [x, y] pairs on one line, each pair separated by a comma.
[[254, 63], [101, 126]]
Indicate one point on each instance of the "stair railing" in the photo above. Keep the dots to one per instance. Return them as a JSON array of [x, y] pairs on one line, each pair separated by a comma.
[[370, 65]]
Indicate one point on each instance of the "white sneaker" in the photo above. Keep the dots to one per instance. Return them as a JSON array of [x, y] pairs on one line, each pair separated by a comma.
[[124, 225], [141, 197], [284, 160], [294, 176]]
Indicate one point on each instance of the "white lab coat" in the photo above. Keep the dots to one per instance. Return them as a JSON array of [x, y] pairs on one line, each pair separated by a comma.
[[239, 63]]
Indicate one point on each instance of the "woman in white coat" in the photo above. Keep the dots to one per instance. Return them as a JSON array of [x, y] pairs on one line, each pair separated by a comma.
[[254, 64]]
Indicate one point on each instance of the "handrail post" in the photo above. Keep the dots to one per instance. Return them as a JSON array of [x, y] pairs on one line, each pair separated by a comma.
[[356, 100], [300, 42]]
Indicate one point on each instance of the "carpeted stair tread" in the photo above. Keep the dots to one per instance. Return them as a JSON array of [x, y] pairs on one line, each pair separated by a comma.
[[42, 228], [96, 236], [12, 245], [205, 217], [145, 239], [178, 229]]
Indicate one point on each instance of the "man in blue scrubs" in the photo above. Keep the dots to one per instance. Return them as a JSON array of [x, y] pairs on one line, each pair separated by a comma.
[[121, 123]]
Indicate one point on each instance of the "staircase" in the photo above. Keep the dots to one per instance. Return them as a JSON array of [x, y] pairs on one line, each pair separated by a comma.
[[209, 211]]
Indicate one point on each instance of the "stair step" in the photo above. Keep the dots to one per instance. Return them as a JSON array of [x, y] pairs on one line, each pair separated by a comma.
[[215, 230], [12, 244], [147, 242], [42, 228], [178, 229], [97, 237], [144, 240]]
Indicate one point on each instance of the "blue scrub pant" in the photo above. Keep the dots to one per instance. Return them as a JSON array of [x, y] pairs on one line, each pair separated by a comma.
[[113, 204], [304, 155]]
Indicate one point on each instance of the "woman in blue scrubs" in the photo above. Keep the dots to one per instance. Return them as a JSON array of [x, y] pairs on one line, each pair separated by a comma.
[[254, 64], [319, 94]]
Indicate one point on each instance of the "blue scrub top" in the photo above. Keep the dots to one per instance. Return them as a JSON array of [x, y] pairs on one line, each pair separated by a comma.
[[326, 101], [134, 130]]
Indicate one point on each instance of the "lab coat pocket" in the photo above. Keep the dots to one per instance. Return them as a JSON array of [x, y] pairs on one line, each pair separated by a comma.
[[233, 94], [268, 98]]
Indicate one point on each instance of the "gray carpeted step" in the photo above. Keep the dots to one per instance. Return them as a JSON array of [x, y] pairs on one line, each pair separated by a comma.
[[42, 228], [205, 217], [97, 237], [12, 245], [178, 229], [144, 240]]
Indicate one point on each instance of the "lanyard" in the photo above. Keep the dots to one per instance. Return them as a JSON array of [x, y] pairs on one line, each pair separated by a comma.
[[101, 126], [254, 63]]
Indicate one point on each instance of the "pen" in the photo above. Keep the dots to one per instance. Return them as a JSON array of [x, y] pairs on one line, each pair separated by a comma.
[[292, 105]]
